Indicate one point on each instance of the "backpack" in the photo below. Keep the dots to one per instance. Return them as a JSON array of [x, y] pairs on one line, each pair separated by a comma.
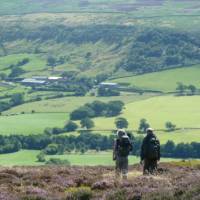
[[153, 149], [123, 146]]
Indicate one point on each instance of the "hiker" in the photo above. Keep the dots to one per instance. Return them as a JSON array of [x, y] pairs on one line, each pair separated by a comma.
[[150, 152], [121, 150]]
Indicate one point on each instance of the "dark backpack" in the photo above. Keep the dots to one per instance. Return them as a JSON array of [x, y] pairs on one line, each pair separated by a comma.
[[153, 149], [124, 146]]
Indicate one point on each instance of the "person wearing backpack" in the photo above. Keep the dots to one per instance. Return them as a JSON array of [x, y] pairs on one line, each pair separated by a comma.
[[122, 148], [150, 152]]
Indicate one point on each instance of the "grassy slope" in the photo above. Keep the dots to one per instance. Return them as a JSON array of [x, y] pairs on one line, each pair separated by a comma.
[[36, 62], [182, 111], [31, 123], [165, 81], [68, 104], [90, 159], [102, 56], [156, 110]]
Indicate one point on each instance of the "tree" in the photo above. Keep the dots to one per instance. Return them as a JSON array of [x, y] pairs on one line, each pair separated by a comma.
[[70, 126], [98, 107], [143, 125], [51, 61], [17, 99], [107, 92], [169, 126], [121, 122], [87, 123], [180, 88], [41, 157], [16, 71], [57, 130], [51, 149], [82, 113], [3, 76], [114, 108], [192, 89], [169, 148]]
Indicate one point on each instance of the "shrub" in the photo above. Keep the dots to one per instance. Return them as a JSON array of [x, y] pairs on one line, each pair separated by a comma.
[[41, 157], [169, 126], [80, 193], [87, 123], [51, 149], [57, 161], [121, 122], [70, 126]]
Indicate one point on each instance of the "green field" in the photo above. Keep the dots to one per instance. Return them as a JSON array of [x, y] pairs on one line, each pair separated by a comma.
[[157, 111], [68, 104], [165, 81], [182, 111], [36, 62], [31, 123], [28, 158]]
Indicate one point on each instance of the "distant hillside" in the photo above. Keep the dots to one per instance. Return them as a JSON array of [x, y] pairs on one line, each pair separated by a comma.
[[34, 6], [165, 81], [97, 49]]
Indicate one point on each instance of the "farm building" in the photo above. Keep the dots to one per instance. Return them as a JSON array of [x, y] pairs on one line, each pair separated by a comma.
[[41, 78], [54, 78], [32, 81], [109, 85]]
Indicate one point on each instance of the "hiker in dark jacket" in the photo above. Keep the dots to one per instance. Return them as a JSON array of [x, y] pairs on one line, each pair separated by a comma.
[[150, 152], [121, 150]]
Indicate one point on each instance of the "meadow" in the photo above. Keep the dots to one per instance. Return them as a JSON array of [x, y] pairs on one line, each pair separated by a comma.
[[25, 124], [165, 81], [180, 110], [157, 110], [29, 158], [68, 104]]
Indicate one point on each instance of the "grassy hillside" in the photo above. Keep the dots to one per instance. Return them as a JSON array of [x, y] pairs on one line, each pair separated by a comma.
[[182, 111], [93, 159], [165, 81], [157, 111], [31, 123], [95, 49], [68, 104]]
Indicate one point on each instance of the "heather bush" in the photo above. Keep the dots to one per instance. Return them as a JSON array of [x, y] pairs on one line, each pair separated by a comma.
[[117, 194], [80, 193], [35, 193]]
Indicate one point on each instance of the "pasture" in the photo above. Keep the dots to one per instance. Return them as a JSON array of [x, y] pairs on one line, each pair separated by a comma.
[[165, 81], [68, 104], [31, 123], [28, 158], [36, 62], [183, 111]]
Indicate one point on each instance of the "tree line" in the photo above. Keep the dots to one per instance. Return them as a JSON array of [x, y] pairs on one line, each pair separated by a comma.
[[88, 141], [97, 109], [183, 89]]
